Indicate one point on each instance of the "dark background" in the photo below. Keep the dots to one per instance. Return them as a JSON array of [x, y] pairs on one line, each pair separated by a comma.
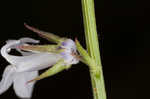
[[123, 29]]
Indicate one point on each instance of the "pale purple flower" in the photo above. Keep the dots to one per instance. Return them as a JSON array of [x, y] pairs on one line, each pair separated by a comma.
[[25, 68]]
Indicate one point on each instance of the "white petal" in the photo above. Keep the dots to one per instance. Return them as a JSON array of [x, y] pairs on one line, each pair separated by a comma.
[[28, 40], [36, 61], [7, 78], [4, 50], [21, 87], [22, 41], [25, 53], [13, 44]]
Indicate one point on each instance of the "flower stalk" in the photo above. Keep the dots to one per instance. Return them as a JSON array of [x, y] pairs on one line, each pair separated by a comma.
[[92, 57]]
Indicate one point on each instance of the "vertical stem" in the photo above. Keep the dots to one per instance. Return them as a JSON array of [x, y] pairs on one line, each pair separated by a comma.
[[93, 47]]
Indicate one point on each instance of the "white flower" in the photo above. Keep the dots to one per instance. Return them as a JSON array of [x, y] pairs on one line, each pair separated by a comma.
[[19, 81], [11, 76], [25, 68]]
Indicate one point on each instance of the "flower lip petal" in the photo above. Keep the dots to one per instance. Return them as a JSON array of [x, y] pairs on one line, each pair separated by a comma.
[[21, 87], [7, 78]]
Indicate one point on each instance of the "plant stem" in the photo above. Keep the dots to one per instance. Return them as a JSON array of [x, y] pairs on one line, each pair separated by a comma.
[[93, 47]]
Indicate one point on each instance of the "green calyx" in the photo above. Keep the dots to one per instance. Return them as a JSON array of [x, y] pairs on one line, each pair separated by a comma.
[[85, 58], [58, 67]]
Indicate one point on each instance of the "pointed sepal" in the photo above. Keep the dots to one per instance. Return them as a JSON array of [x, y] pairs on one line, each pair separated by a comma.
[[58, 67], [46, 35], [39, 48], [85, 58]]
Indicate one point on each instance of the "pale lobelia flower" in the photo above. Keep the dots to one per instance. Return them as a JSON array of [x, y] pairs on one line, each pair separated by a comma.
[[23, 70]]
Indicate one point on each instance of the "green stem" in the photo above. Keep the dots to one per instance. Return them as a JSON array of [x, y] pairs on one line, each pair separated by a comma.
[[93, 48]]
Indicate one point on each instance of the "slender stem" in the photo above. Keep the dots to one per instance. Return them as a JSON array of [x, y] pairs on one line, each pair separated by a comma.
[[93, 47]]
